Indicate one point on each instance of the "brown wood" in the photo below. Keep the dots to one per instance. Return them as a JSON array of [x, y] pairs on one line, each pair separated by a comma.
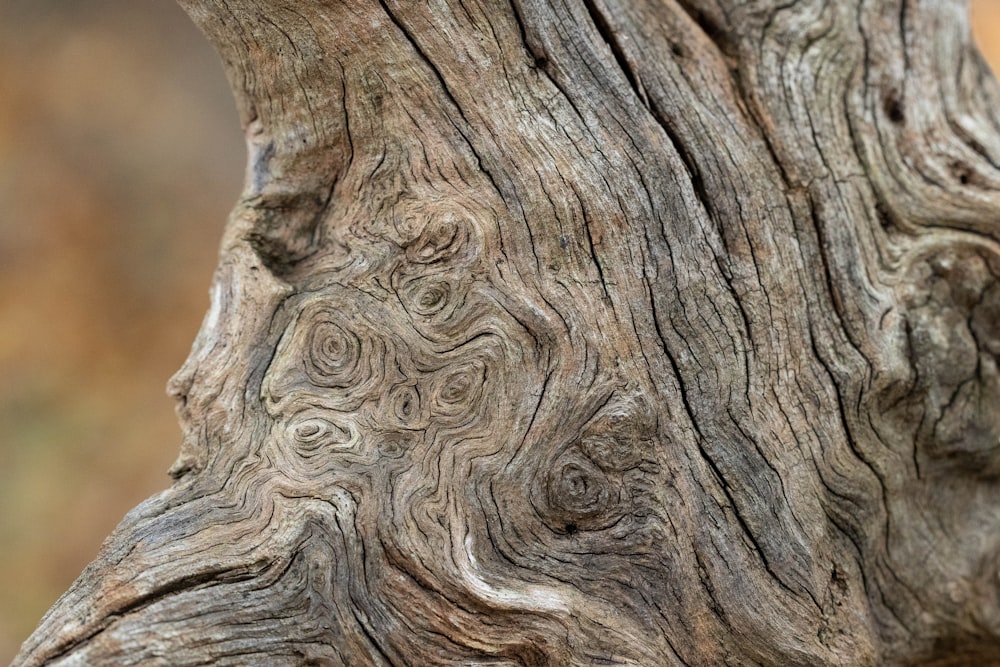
[[584, 332]]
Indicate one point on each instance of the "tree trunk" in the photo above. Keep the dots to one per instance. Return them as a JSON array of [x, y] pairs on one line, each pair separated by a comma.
[[584, 332]]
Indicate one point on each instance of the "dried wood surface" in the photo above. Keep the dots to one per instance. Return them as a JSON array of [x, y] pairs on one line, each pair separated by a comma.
[[584, 332]]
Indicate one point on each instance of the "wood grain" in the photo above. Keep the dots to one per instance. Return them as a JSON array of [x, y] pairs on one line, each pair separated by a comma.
[[583, 332]]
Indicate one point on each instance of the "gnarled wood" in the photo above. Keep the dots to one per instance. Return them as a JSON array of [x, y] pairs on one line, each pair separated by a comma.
[[572, 332]]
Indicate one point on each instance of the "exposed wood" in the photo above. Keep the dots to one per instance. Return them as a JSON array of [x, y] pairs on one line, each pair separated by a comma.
[[581, 332]]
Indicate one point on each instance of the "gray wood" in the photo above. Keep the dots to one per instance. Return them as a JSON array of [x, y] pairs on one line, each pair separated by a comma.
[[584, 332]]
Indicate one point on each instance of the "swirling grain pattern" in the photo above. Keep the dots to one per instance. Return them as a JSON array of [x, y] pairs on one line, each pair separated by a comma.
[[584, 333]]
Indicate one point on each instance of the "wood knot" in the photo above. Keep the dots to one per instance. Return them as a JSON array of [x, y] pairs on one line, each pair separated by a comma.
[[427, 296], [333, 352], [331, 356], [315, 432], [580, 495], [405, 407], [459, 388], [462, 388], [432, 297], [601, 476], [442, 237], [395, 444]]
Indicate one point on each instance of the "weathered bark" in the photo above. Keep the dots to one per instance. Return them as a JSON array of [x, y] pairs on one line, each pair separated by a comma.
[[571, 332]]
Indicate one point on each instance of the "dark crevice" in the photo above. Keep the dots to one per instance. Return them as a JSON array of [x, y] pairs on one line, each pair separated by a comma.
[[535, 50], [887, 217], [713, 465], [587, 224], [895, 111], [372, 641], [607, 33], [754, 115], [706, 582], [688, 408], [903, 8], [712, 30], [423, 56], [964, 135], [694, 173], [841, 411], [287, 229], [483, 169]]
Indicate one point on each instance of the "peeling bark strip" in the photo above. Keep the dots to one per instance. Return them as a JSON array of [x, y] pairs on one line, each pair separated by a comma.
[[584, 332]]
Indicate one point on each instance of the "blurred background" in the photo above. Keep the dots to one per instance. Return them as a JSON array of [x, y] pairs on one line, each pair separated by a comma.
[[120, 156]]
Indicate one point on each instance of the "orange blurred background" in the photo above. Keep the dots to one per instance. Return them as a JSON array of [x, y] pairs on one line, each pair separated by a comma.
[[120, 155]]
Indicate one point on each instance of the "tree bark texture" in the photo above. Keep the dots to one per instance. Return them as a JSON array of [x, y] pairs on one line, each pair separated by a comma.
[[584, 332]]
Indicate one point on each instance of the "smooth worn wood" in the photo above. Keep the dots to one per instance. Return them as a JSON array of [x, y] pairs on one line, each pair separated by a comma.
[[584, 332]]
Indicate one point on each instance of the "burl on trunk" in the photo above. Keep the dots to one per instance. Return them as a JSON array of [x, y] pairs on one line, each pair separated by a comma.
[[584, 332]]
